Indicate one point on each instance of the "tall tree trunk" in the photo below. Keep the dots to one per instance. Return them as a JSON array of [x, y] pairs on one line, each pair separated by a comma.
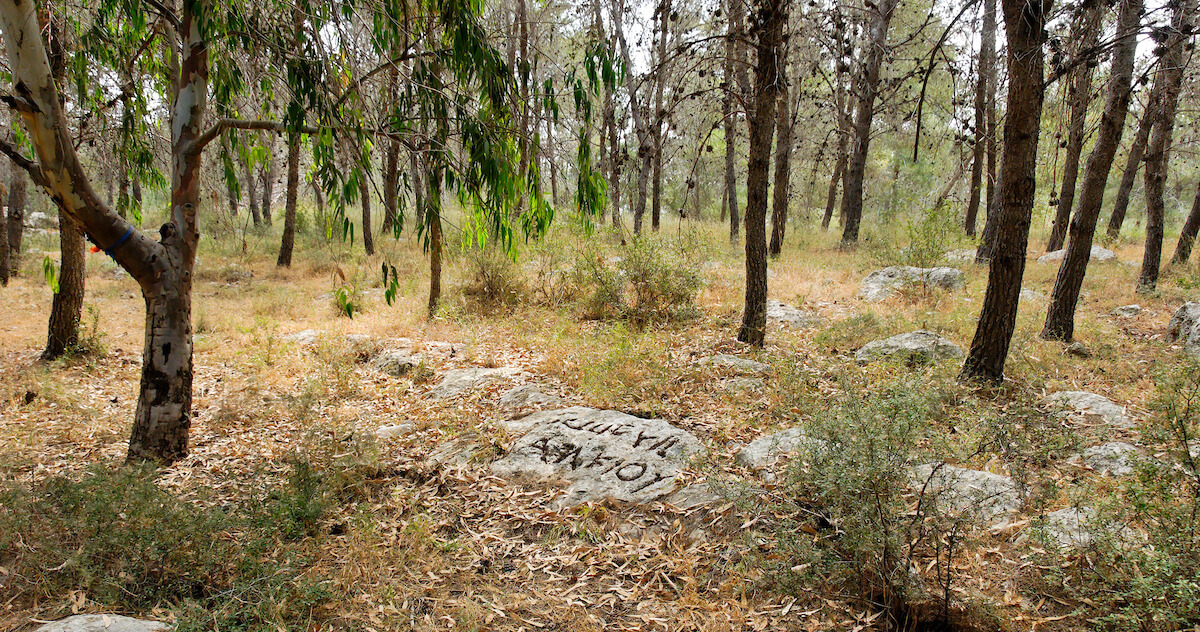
[[983, 91], [736, 13], [252, 193], [17, 184], [839, 170], [1132, 165], [1158, 151], [1085, 31], [770, 23], [615, 163], [67, 306], [288, 240], [987, 66], [364, 195], [1060, 316], [641, 122], [660, 114], [268, 180], [864, 113], [391, 166], [553, 161], [1024, 22], [434, 226], [1187, 235], [783, 155], [4, 242]]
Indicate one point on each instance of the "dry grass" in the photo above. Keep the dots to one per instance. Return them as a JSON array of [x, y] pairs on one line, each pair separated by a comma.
[[432, 549]]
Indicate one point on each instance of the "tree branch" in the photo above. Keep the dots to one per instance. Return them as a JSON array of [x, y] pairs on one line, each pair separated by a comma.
[[35, 171]]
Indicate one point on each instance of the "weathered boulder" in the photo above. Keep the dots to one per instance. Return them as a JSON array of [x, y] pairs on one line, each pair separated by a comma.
[[1127, 311], [1089, 407], [599, 453], [1111, 458], [306, 338], [1185, 327], [991, 497], [764, 451], [102, 623], [881, 284], [458, 381], [1098, 254], [789, 316], [1069, 528], [915, 347], [744, 366], [527, 395], [455, 453], [693, 496], [396, 362]]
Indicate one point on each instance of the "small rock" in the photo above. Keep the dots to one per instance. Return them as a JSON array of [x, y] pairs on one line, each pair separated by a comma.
[[1127, 311], [102, 623], [960, 256], [1185, 327], [392, 431], [787, 315], [458, 381], [1068, 528], [1098, 254], [881, 284], [692, 496], [454, 454], [599, 453], [306, 338], [1032, 296], [915, 348], [745, 366], [1078, 349], [396, 362], [525, 396], [1110, 458], [1090, 406], [993, 497], [767, 450]]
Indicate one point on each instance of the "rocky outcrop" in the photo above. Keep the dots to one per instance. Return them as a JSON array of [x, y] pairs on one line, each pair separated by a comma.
[[881, 284], [917, 347]]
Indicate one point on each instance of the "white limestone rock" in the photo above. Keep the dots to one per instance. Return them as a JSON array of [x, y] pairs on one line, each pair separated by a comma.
[[392, 431], [526, 396], [915, 347], [881, 284], [1069, 528], [396, 362], [306, 338], [599, 453], [1111, 458], [1127, 311], [789, 316], [993, 498], [765, 451], [102, 623], [1089, 407], [1098, 254], [458, 381], [1185, 327], [960, 256]]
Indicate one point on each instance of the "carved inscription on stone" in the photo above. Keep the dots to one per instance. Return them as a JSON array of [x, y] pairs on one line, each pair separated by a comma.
[[600, 453]]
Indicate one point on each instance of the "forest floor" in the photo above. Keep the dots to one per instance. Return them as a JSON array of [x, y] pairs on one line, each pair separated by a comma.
[[401, 543]]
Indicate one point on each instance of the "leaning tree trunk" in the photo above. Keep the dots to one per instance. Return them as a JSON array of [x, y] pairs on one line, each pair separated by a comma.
[[1060, 316], [1087, 30], [852, 185], [1170, 73], [761, 126], [1133, 164], [783, 154], [1187, 235], [67, 306], [288, 240], [1024, 22], [17, 185]]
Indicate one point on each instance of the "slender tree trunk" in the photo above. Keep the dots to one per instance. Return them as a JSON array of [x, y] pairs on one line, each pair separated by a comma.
[[123, 194], [736, 12], [1170, 74], [434, 224], [987, 67], [67, 306], [615, 164], [391, 166], [983, 91], [641, 122], [864, 113], [1187, 235], [135, 189], [1132, 165], [770, 24], [1060, 316], [553, 162], [4, 244], [1084, 34], [1024, 22], [289, 204], [364, 194], [659, 114], [783, 155], [268, 183], [18, 181], [252, 194], [417, 183]]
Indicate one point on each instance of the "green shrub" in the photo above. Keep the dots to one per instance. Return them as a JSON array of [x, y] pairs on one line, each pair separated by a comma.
[[651, 280], [495, 279]]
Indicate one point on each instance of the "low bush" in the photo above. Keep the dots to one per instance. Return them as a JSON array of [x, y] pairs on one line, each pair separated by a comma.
[[650, 280]]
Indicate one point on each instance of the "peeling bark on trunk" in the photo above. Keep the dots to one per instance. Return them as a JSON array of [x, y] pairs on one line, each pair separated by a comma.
[[1187, 235], [1132, 165], [1085, 32], [1024, 22], [1060, 315], [770, 23], [864, 113], [288, 240], [1158, 151]]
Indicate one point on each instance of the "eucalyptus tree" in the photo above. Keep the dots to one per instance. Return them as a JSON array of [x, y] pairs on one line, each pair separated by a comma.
[[1024, 22], [1060, 315], [475, 109]]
